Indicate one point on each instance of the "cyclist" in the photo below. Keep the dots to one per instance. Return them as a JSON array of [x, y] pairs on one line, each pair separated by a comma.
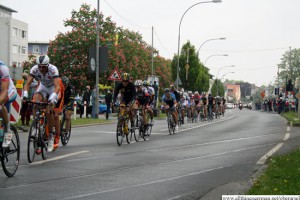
[[143, 99], [210, 103], [47, 75], [169, 101], [204, 104], [197, 99], [218, 105], [8, 94], [151, 91], [128, 94], [223, 105], [68, 101], [183, 105]]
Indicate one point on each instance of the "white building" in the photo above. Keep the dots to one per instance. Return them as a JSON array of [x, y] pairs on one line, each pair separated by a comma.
[[13, 38]]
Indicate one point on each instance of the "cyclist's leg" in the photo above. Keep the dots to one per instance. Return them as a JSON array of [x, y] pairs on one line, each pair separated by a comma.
[[12, 95], [68, 115]]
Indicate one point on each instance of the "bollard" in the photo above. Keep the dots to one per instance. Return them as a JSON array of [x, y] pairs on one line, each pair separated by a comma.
[[84, 110], [75, 109]]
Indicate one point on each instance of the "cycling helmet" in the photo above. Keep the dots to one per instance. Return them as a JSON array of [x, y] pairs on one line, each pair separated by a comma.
[[42, 60], [125, 77], [65, 80], [167, 90], [196, 93], [146, 83], [181, 93], [138, 83], [190, 92], [1, 63]]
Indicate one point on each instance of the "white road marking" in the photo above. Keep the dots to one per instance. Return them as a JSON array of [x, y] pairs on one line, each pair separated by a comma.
[[58, 157], [206, 124], [286, 137], [263, 159]]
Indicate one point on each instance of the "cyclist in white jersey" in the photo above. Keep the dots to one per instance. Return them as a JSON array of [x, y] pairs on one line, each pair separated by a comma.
[[8, 94], [47, 75]]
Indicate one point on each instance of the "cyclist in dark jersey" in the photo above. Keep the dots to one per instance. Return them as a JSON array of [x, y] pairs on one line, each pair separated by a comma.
[[169, 101], [128, 93], [210, 102], [204, 104]]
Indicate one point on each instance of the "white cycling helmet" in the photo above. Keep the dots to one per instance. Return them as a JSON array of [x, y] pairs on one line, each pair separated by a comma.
[[138, 83], [190, 92], [42, 60], [196, 93]]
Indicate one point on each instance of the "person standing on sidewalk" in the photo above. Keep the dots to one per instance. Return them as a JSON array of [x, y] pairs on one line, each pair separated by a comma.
[[86, 98], [108, 100]]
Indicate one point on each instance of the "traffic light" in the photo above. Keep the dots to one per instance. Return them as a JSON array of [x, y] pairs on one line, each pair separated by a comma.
[[276, 91]]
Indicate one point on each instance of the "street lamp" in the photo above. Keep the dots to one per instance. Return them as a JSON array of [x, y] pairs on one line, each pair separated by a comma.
[[222, 38], [218, 76], [214, 55], [213, 1]]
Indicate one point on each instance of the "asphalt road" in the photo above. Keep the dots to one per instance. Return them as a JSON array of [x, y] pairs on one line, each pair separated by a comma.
[[203, 160]]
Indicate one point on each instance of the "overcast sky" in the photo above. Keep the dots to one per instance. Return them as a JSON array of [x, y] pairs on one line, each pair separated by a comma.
[[257, 32]]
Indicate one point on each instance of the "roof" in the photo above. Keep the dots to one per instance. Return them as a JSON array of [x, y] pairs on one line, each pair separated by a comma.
[[7, 8]]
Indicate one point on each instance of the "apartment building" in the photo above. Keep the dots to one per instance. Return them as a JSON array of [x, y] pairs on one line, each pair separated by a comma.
[[13, 38]]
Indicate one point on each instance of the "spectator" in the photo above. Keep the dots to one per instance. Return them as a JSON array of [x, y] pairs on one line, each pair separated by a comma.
[[86, 98], [25, 109], [155, 86], [108, 100], [93, 102]]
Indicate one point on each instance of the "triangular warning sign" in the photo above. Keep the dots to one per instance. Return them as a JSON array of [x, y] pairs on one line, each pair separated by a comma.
[[114, 76]]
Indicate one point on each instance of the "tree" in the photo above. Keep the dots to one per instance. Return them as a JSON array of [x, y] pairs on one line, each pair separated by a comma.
[[220, 91], [289, 68], [198, 77], [69, 51]]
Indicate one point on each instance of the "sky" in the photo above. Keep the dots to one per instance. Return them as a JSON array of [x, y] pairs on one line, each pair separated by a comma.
[[257, 32]]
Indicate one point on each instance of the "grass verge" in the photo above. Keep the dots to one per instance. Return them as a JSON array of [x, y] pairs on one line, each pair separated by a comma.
[[292, 117], [283, 172], [281, 177]]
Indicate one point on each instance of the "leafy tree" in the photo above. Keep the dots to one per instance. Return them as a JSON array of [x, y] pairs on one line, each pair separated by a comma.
[[198, 77], [69, 51], [289, 68], [220, 91]]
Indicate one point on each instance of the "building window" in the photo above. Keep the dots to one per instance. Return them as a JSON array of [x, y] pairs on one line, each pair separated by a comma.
[[24, 34], [15, 49], [15, 32], [23, 50], [36, 49]]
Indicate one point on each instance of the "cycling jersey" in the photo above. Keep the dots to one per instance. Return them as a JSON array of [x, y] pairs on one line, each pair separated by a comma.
[[210, 100], [4, 75], [196, 99], [46, 80], [204, 100], [142, 97], [169, 100], [69, 97], [128, 92], [183, 101]]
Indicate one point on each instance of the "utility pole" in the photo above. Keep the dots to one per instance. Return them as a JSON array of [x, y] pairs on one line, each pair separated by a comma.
[[97, 62]]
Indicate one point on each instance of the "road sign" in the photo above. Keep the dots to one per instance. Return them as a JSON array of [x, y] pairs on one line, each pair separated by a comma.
[[114, 76]]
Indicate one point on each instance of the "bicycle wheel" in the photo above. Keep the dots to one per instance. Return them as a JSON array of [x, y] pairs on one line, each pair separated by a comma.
[[179, 118], [11, 154], [142, 130], [119, 132], [129, 135], [65, 134], [32, 142], [44, 142], [137, 124]]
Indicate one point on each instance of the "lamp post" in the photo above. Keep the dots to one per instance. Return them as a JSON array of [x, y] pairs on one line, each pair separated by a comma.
[[218, 76], [214, 55], [97, 62], [213, 1], [222, 38]]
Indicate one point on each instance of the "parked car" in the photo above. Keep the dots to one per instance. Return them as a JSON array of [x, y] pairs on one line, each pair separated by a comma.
[[229, 106], [102, 105]]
